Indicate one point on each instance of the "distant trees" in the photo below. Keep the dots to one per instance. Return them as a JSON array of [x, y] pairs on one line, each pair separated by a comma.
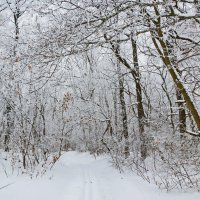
[[111, 19]]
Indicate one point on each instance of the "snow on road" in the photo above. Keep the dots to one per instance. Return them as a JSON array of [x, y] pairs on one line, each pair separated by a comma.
[[78, 176]]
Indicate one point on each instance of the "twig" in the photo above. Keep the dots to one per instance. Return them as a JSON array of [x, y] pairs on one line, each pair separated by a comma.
[[5, 186]]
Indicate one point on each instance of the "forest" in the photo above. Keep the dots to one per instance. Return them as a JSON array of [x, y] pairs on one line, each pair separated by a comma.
[[111, 77]]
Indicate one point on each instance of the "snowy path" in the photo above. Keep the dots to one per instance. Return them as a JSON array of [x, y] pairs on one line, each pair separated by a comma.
[[78, 176]]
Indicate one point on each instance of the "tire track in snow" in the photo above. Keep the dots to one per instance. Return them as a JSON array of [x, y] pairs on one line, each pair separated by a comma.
[[74, 188], [91, 189]]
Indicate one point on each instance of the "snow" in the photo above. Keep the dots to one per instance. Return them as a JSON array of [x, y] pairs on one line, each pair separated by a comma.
[[79, 176]]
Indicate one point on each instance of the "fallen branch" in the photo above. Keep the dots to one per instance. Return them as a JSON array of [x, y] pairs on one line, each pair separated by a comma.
[[195, 134], [5, 186]]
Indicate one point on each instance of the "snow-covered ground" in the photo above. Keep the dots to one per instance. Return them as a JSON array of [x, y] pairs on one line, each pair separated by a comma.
[[78, 176]]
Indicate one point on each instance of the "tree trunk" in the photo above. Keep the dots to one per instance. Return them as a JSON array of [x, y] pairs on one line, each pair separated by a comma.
[[123, 110], [140, 109], [182, 113], [136, 77]]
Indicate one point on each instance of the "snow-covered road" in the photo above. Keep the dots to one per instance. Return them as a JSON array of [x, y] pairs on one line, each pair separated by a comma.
[[78, 176]]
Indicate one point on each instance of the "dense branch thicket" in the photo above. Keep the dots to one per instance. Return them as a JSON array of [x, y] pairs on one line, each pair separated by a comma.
[[118, 77]]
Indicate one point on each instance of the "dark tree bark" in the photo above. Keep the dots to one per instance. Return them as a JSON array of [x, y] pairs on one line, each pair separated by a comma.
[[136, 77], [140, 108]]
